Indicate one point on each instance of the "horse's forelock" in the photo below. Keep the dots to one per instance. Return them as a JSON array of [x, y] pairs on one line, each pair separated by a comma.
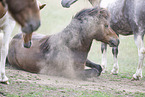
[[81, 14], [104, 13]]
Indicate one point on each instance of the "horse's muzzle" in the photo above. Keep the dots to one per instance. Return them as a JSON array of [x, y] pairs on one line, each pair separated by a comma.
[[114, 42], [27, 40], [31, 26], [27, 45]]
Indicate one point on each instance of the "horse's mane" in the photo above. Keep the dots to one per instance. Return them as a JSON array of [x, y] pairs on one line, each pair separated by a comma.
[[44, 44], [93, 11]]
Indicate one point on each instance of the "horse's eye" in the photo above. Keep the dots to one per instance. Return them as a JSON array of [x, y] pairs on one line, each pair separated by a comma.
[[106, 26]]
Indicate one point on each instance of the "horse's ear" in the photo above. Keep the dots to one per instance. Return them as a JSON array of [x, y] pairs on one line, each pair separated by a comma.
[[42, 6]]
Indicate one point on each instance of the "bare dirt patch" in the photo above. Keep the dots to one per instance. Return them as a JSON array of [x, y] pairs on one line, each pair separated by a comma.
[[24, 84]]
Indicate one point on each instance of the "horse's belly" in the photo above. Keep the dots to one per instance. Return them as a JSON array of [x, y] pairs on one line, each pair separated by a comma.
[[122, 27], [24, 58], [119, 20]]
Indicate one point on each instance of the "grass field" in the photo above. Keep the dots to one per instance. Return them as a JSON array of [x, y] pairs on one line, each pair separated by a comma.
[[54, 18]]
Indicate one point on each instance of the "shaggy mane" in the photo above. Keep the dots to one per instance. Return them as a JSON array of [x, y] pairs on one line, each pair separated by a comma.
[[93, 11], [44, 45]]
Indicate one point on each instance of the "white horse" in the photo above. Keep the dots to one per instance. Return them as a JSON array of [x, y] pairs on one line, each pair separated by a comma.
[[7, 25]]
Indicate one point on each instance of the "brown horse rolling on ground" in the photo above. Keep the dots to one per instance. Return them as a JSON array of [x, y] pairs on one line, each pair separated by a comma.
[[65, 53]]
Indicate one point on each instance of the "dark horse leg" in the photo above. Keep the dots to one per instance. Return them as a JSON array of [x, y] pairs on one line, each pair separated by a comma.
[[115, 66], [95, 70], [94, 66]]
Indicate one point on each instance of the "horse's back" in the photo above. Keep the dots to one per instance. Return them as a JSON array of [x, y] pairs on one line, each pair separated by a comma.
[[25, 58], [35, 36]]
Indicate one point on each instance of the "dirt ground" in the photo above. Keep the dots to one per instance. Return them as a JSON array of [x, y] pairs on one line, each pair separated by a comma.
[[24, 84]]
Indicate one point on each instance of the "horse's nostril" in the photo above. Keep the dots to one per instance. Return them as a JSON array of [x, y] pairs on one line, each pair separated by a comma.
[[27, 45]]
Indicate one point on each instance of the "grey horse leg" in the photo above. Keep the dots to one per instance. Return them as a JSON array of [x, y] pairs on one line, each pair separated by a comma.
[[104, 56], [141, 53]]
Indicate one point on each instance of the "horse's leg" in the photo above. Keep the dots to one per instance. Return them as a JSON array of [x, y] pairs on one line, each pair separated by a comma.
[[88, 73], [93, 65], [115, 66], [141, 53], [104, 56], [4, 50]]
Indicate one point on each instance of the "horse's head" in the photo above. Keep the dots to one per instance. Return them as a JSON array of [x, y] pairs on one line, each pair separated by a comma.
[[95, 22], [67, 3], [26, 13]]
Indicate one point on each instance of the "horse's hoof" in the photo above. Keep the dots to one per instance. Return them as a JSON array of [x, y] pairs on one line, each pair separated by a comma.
[[135, 79], [5, 82], [104, 71], [114, 73]]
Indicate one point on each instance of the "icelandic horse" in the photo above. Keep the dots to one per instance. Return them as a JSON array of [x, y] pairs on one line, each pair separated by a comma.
[[127, 18], [65, 53]]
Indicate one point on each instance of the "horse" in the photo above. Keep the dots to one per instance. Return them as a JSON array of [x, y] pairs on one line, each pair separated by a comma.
[[7, 25], [127, 18], [65, 53], [27, 14]]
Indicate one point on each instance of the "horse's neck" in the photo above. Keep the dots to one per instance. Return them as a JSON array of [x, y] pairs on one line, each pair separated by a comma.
[[2, 11], [77, 37], [95, 2]]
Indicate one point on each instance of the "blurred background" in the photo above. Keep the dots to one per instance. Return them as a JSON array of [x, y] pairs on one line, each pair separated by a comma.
[[54, 18]]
